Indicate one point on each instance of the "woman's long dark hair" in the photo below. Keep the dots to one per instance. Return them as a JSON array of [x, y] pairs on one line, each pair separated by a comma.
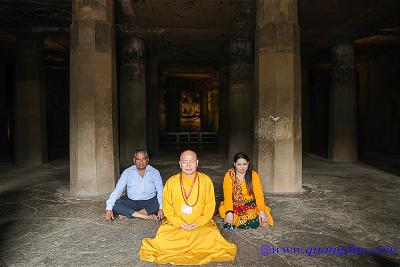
[[247, 176]]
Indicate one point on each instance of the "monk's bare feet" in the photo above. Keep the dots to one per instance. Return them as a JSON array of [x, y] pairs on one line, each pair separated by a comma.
[[265, 225]]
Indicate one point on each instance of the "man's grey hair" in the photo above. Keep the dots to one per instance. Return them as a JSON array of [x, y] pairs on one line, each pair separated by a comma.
[[141, 150]]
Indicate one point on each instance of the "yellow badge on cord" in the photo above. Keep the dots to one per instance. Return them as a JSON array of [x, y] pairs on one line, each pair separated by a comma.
[[186, 209]]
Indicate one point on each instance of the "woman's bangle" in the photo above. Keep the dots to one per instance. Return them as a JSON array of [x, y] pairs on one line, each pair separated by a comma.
[[228, 211]]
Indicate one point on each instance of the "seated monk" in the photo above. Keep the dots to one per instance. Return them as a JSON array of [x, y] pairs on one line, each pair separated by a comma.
[[243, 206], [188, 235]]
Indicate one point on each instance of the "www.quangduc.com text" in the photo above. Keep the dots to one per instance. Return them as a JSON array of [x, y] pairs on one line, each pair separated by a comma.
[[338, 251]]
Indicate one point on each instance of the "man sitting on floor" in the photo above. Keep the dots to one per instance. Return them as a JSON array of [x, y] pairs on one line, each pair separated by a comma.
[[144, 190]]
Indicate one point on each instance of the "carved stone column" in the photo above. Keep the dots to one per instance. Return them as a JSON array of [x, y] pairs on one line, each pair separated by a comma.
[[223, 114], [213, 108], [172, 112], [30, 102], [241, 101], [93, 99], [203, 110], [277, 151], [305, 105], [3, 111], [343, 106], [153, 100], [132, 99]]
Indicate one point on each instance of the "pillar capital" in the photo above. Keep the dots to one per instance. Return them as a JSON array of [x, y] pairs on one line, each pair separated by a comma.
[[92, 25], [241, 59], [241, 49], [132, 49], [343, 62], [273, 11], [92, 10], [30, 49], [277, 28]]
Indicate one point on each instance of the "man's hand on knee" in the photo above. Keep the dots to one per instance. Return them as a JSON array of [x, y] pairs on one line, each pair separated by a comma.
[[108, 214]]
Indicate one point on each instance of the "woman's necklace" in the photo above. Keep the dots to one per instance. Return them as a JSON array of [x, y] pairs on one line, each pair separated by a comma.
[[187, 195]]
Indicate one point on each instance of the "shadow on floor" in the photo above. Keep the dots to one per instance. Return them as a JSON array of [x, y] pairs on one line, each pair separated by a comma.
[[389, 163], [9, 206]]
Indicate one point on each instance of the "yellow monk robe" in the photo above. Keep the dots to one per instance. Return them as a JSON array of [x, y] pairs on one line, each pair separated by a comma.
[[175, 245]]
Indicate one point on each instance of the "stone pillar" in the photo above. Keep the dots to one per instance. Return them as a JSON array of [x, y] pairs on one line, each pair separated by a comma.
[[3, 111], [93, 99], [241, 101], [277, 150], [363, 110], [30, 102], [343, 107], [305, 106], [172, 112], [204, 110], [67, 101], [210, 110], [132, 99], [153, 96], [162, 108], [213, 108], [223, 115]]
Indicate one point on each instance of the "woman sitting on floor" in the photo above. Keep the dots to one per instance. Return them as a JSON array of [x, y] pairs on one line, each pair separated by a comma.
[[243, 206]]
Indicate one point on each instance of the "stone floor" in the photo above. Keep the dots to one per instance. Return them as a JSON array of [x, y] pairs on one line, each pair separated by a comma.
[[347, 205]]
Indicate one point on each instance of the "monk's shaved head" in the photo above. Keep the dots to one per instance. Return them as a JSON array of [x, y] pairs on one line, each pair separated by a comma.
[[188, 153], [188, 162]]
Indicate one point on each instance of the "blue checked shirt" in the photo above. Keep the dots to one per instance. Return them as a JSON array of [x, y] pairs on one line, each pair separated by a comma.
[[138, 187]]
